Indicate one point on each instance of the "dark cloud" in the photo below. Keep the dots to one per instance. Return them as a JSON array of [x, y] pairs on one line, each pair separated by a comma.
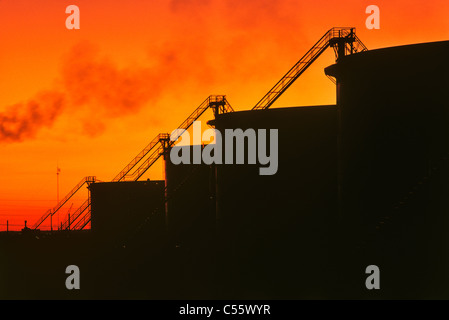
[[92, 90], [22, 121]]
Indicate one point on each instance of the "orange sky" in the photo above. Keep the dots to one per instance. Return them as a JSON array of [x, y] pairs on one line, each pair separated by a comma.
[[91, 99]]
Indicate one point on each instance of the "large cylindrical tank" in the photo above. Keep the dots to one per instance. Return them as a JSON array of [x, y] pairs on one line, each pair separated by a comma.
[[190, 209], [119, 209], [393, 111], [274, 228], [190, 217]]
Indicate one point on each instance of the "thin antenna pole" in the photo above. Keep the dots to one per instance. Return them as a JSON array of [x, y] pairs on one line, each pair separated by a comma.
[[58, 170]]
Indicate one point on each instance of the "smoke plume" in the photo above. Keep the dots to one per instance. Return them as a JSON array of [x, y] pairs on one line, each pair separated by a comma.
[[204, 43], [91, 89], [22, 121]]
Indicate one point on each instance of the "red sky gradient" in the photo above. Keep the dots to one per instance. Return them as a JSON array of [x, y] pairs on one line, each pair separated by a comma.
[[89, 100]]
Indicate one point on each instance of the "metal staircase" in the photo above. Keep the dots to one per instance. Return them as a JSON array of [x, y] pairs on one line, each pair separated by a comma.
[[67, 225], [122, 174], [82, 222], [343, 40], [86, 180], [153, 151]]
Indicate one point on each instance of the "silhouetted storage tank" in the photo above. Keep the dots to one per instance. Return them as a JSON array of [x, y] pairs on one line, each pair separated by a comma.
[[394, 122], [274, 228], [119, 208], [190, 207], [190, 216]]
